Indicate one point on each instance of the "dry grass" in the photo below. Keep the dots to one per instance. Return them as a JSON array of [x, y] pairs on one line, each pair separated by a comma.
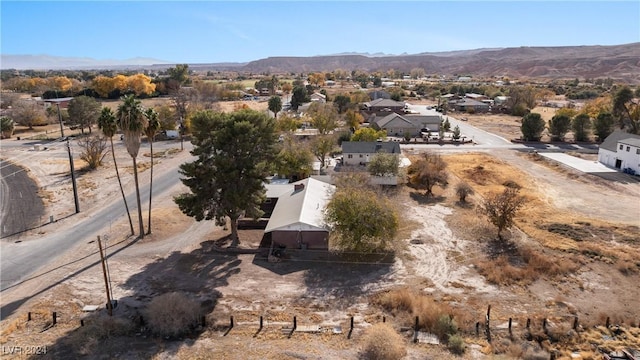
[[405, 304], [382, 342], [85, 339], [172, 314], [530, 266], [537, 214]]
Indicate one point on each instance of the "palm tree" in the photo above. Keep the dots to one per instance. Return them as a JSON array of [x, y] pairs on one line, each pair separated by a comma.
[[132, 123], [153, 125], [108, 124]]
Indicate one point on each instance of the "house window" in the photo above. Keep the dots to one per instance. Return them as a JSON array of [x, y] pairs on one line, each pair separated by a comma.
[[637, 151], [628, 148], [361, 156], [620, 146], [349, 156]]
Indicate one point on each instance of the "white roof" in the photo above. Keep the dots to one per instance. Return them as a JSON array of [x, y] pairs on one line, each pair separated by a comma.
[[302, 209]]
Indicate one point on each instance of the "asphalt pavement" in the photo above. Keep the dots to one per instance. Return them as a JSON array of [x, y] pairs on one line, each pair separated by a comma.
[[22, 208]]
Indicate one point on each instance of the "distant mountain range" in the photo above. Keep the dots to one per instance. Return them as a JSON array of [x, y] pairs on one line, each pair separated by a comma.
[[48, 62], [619, 62]]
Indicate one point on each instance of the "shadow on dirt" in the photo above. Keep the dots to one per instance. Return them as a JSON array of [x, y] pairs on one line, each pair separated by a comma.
[[422, 199], [132, 331]]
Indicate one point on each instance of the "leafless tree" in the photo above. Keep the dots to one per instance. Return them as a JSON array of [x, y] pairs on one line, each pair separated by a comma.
[[94, 149]]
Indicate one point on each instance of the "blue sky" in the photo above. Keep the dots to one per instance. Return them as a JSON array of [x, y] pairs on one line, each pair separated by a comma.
[[240, 31]]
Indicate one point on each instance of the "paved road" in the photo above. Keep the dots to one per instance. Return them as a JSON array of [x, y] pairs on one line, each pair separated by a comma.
[[22, 208], [19, 261]]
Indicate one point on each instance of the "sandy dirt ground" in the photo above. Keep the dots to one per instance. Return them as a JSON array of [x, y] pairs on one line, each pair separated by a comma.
[[438, 260]]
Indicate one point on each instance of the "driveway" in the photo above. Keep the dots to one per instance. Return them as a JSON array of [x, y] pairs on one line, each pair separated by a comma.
[[583, 165]]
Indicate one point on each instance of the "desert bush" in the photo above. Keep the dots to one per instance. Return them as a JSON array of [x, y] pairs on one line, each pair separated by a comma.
[[96, 330], [94, 149], [445, 327], [456, 344], [172, 314], [381, 342]]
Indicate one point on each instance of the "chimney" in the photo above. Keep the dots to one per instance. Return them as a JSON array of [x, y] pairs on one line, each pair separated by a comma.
[[298, 187]]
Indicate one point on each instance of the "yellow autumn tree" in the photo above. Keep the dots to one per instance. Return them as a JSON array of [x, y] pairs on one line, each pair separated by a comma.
[[317, 79], [103, 85], [596, 106], [140, 84], [60, 83], [120, 82]]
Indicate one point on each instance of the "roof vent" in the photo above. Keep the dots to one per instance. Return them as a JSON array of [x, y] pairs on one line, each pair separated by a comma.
[[298, 187]]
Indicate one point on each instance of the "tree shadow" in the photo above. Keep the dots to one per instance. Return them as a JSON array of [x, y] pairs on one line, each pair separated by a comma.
[[423, 199], [196, 275], [505, 247]]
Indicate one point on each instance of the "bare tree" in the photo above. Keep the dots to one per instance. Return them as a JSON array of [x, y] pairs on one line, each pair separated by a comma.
[[94, 149], [463, 190], [501, 209]]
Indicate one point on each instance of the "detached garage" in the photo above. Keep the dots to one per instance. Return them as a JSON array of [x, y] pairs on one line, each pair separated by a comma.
[[297, 220]]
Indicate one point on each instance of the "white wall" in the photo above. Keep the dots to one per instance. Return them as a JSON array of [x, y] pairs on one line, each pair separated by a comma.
[[607, 157], [630, 159]]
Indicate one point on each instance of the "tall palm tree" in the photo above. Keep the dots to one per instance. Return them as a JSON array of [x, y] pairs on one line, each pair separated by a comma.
[[153, 125], [132, 123], [108, 124]]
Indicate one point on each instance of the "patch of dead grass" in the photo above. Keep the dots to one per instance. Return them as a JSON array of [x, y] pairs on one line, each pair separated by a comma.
[[486, 175]]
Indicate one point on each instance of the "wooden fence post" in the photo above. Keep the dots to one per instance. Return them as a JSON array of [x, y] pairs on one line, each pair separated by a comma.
[[510, 332], [55, 317], [415, 330], [29, 316], [575, 323]]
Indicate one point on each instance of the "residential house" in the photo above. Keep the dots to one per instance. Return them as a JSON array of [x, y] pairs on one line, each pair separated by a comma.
[[361, 152], [474, 96], [297, 214], [384, 105], [621, 150], [470, 105], [413, 125], [318, 97], [62, 102]]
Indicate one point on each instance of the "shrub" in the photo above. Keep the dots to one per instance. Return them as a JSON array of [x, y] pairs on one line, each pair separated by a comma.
[[456, 344], [445, 327], [463, 190], [381, 342], [172, 314]]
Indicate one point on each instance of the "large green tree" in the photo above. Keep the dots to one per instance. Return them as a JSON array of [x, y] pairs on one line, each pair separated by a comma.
[[581, 126], [559, 125], [132, 122], [384, 164], [532, 127], [226, 180], [299, 97], [603, 125], [275, 105], [83, 112], [361, 220], [626, 111], [108, 123]]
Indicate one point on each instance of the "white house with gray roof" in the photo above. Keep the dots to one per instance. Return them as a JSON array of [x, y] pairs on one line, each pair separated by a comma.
[[297, 218], [621, 150], [361, 152]]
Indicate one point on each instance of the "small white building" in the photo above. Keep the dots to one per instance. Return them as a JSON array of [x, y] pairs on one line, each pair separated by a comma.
[[621, 150]]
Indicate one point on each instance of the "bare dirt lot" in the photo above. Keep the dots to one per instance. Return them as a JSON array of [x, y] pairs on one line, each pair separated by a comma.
[[570, 255]]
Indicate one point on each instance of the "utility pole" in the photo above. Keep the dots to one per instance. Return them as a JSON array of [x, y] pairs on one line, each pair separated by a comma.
[[73, 173], [73, 178], [60, 119], [106, 282]]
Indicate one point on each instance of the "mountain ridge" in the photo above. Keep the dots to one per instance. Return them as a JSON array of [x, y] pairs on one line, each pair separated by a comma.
[[619, 62]]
